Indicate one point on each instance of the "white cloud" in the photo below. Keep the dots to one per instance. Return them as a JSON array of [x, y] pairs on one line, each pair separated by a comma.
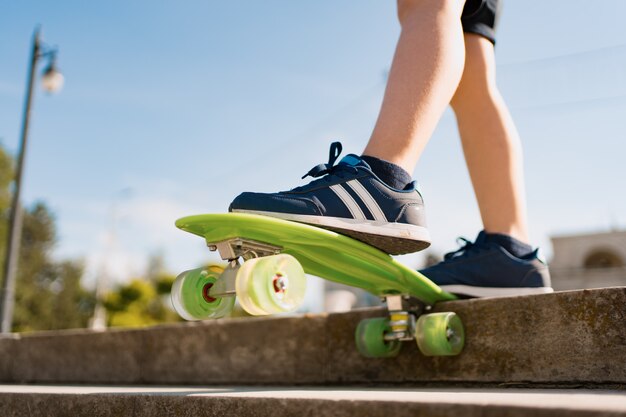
[[117, 243]]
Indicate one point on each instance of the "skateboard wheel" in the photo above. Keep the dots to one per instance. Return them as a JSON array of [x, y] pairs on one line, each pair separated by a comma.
[[269, 285], [190, 295], [440, 334], [370, 339]]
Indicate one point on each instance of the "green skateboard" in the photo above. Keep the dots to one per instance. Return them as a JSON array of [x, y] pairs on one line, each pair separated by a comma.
[[267, 262]]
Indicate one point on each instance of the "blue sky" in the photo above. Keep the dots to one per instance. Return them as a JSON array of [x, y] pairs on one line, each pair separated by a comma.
[[186, 104]]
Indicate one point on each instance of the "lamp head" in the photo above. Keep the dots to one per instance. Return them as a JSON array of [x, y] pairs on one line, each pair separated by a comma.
[[52, 79]]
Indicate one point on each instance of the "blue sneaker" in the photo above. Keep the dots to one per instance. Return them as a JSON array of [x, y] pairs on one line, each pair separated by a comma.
[[349, 199], [486, 269]]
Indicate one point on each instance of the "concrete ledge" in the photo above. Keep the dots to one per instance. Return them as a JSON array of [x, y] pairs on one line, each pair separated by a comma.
[[7, 354], [576, 337], [304, 401]]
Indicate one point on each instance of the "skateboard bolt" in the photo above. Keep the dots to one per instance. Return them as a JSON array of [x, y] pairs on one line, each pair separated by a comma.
[[205, 293], [450, 334], [280, 283]]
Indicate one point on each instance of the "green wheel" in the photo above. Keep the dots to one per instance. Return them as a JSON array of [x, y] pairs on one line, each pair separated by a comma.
[[370, 339], [190, 295], [270, 285], [440, 334]]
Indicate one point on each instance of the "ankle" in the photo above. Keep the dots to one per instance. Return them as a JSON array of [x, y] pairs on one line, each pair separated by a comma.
[[511, 244], [391, 174]]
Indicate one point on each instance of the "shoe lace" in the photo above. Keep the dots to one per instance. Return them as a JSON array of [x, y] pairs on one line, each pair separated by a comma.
[[330, 168], [467, 248]]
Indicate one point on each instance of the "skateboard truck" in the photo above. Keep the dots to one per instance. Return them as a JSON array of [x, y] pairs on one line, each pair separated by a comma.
[[403, 311], [231, 250], [410, 319], [225, 285]]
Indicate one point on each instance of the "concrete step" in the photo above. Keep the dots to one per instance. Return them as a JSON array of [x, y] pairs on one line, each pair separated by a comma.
[[570, 338], [16, 400]]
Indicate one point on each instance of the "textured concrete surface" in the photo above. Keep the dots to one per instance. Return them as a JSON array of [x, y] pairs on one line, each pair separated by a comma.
[[303, 401], [569, 337], [97, 357], [562, 338], [7, 355], [290, 349]]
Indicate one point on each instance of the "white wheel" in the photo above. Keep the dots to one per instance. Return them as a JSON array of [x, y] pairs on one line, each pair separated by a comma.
[[270, 285]]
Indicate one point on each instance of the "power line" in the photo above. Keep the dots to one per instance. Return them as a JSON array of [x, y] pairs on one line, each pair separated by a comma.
[[295, 140], [366, 95], [563, 56], [585, 101]]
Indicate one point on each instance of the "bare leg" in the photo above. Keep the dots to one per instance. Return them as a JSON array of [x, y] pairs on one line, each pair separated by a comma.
[[425, 72], [490, 142]]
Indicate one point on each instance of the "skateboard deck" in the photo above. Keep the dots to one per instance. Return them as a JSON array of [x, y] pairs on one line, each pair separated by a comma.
[[277, 253]]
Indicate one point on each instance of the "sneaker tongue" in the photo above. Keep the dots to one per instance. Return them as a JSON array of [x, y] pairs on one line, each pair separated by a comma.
[[353, 161]]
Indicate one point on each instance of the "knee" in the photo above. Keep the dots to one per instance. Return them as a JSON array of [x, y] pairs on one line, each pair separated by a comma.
[[409, 8]]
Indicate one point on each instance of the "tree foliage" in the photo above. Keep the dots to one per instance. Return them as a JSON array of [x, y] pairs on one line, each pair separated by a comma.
[[6, 173], [143, 301], [48, 294]]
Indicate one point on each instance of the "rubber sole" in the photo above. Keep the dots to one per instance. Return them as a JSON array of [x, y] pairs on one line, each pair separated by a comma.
[[391, 238], [468, 291], [387, 244]]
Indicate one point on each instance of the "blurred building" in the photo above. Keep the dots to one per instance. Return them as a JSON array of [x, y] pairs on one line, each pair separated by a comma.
[[588, 260]]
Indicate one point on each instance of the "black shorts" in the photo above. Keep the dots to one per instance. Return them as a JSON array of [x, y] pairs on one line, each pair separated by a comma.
[[481, 17]]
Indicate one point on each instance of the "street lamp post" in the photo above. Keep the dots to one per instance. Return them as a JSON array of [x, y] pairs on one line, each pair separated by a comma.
[[52, 81]]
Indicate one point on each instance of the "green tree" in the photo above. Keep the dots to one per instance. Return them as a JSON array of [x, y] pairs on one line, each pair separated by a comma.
[[6, 174], [48, 294], [143, 301], [140, 303]]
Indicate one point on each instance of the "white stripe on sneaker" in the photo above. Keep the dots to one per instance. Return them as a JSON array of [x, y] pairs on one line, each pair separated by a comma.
[[349, 202], [369, 201]]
